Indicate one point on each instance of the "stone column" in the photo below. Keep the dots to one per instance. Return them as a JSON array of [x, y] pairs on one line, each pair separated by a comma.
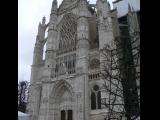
[[51, 43], [44, 103], [35, 90], [34, 101], [105, 27], [105, 31], [82, 58], [38, 51]]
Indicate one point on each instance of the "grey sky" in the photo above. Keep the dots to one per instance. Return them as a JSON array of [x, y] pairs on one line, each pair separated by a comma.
[[122, 7], [30, 13]]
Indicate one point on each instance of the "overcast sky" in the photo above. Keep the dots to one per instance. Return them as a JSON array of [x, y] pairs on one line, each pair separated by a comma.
[[122, 7], [30, 13]]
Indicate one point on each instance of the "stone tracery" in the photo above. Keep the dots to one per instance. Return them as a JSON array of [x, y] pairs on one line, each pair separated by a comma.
[[66, 56], [68, 28]]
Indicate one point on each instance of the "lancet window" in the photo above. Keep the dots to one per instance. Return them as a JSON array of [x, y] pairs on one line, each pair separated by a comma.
[[95, 98]]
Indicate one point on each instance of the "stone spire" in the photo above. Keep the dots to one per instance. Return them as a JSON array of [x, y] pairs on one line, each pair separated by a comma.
[[129, 8], [41, 29], [132, 8], [51, 42], [83, 50], [103, 8], [105, 20], [38, 51], [44, 20], [52, 26], [54, 6], [83, 8], [132, 20], [109, 6], [40, 41]]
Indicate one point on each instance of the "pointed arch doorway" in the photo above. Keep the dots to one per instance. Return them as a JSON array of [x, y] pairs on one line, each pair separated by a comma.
[[62, 102]]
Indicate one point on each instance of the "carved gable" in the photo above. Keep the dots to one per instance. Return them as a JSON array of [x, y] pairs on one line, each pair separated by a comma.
[[66, 4]]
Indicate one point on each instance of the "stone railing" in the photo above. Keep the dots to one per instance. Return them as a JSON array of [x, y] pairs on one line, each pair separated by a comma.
[[94, 75]]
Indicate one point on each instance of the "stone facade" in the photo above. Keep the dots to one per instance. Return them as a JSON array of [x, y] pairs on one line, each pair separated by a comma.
[[62, 83]]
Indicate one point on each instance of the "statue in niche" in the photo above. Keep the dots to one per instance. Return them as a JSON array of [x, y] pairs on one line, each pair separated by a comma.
[[41, 30], [100, 19], [109, 20], [63, 69]]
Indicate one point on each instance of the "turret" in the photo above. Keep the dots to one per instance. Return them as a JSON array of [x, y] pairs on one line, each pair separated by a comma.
[[105, 27], [40, 41], [103, 7], [82, 6], [82, 33], [129, 8], [115, 23], [132, 20], [52, 30], [51, 41], [82, 54], [38, 50], [54, 6], [34, 97]]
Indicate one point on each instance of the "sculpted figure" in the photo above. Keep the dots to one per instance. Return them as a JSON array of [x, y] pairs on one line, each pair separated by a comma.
[[41, 29]]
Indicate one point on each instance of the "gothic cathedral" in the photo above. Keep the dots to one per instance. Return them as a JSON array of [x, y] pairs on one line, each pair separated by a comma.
[[66, 84]]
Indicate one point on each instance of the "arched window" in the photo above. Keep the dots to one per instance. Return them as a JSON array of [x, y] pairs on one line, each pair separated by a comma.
[[63, 115], [99, 99], [93, 101], [69, 115], [66, 115], [95, 98]]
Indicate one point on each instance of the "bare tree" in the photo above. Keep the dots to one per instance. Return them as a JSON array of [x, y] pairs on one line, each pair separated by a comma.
[[121, 71], [22, 95], [112, 84]]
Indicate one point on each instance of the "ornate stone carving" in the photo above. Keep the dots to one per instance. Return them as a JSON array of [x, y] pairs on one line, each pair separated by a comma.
[[41, 29], [94, 63], [67, 28], [67, 5]]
